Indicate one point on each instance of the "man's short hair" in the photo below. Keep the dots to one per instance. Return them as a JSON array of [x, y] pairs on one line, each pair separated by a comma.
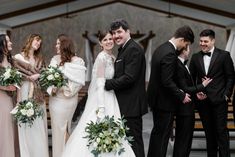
[[119, 23], [186, 33], [208, 33]]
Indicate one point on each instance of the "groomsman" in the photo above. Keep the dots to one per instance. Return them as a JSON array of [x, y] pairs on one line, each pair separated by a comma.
[[129, 82], [185, 112], [163, 93], [217, 65]]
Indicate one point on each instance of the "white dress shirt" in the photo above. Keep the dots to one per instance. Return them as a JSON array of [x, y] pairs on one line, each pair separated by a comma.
[[207, 60], [182, 60]]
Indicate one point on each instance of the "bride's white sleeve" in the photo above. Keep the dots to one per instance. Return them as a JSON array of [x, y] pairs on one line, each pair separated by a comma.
[[100, 80]]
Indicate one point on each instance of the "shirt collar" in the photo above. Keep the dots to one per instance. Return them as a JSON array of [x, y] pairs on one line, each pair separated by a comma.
[[126, 42], [212, 50], [173, 44], [181, 59]]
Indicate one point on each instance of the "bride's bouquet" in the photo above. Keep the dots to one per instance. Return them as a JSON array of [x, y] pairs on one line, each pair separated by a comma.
[[51, 76], [107, 136], [10, 76], [26, 112]]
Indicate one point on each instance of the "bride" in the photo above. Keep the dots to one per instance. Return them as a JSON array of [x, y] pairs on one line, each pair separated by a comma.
[[98, 98]]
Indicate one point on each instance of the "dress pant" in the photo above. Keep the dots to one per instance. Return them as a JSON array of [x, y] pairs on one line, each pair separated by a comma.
[[135, 124], [161, 132], [214, 120], [183, 135]]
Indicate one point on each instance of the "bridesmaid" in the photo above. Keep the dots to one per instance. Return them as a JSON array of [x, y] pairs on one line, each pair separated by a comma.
[[64, 103], [33, 140], [6, 103]]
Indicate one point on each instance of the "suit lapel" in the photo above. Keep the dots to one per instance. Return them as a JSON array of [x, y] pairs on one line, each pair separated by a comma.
[[213, 58], [201, 61], [121, 50]]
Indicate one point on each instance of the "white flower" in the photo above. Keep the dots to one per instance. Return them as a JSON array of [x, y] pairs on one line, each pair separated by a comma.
[[107, 141], [50, 69], [7, 74], [95, 144], [50, 77], [29, 104], [57, 75], [15, 110], [8, 70], [23, 112], [98, 140], [30, 112], [117, 145]]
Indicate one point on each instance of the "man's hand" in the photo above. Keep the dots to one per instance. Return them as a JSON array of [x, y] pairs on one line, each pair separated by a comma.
[[187, 98], [206, 81], [201, 96]]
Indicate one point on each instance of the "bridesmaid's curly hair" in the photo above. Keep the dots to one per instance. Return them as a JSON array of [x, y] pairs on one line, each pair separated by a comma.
[[66, 48], [4, 50]]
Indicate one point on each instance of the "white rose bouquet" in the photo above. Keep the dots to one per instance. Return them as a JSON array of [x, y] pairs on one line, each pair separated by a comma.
[[51, 76], [10, 76], [26, 112], [107, 136]]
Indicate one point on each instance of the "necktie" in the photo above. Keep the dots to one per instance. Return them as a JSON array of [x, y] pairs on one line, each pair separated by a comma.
[[185, 62], [206, 53]]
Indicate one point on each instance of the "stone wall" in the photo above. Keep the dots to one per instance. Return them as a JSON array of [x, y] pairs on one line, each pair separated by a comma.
[[139, 19]]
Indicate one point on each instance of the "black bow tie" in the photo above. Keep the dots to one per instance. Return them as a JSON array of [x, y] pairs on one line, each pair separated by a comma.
[[185, 62], [206, 53]]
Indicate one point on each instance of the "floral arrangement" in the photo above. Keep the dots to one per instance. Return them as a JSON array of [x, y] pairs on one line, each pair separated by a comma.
[[107, 136], [51, 76], [10, 76], [26, 112]]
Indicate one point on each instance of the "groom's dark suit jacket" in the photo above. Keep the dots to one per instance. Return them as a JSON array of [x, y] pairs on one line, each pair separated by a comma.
[[221, 70], [129, 80]]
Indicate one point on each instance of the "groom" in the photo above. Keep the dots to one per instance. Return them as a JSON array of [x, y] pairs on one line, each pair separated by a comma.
[[129, 82]]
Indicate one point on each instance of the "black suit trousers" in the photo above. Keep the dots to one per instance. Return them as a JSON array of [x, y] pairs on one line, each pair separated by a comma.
[[135, 125], [162, 127], [183, 135], [214, 120]]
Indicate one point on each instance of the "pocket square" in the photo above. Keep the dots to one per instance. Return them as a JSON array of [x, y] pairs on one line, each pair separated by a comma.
[[119, 60]]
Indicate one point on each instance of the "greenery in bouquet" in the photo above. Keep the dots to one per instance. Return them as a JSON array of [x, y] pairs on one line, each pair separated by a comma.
[[51, 76], [10, 76], [26, 112], [107, 136]]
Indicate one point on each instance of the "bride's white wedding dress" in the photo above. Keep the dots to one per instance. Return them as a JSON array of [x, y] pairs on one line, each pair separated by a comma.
[[97, 97]]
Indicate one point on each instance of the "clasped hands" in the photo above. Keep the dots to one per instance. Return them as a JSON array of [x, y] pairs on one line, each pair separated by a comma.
[[200, 95], [205, 82]]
